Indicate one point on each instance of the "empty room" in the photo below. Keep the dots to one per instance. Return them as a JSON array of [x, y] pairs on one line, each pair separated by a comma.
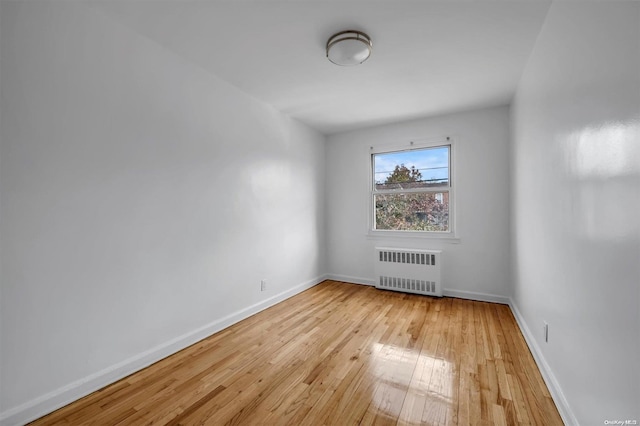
[[319, 212]]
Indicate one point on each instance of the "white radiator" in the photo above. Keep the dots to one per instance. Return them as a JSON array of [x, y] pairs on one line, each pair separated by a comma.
[[409, 270]]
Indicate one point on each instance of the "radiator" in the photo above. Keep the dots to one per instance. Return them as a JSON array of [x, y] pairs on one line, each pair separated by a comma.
[[409, 270]]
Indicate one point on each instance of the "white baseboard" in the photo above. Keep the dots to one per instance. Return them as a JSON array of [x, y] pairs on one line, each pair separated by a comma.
[[460, 294], [472, 295], [549, 378], [349, 279], [58, 398]]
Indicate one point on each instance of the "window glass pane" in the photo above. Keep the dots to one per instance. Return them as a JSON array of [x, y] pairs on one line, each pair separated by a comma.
[[417, 168], [424, 211]]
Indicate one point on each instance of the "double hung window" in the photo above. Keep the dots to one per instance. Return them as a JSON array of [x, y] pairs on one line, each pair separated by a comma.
[[412, 189]]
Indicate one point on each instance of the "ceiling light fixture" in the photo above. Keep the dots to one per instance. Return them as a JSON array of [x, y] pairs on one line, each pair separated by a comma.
[[349, 48]]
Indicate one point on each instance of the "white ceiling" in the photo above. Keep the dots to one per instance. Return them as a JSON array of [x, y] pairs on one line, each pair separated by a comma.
[[429, 58]]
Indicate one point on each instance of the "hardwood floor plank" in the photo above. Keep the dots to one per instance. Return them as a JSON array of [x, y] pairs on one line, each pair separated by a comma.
[[338, 354]]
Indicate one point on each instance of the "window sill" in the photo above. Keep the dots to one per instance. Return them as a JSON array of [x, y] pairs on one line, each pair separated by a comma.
[[444, 237]]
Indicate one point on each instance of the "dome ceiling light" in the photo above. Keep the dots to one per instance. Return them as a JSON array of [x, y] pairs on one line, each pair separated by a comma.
[[348, 48]]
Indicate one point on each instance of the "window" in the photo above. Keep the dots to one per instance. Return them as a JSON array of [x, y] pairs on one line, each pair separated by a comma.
[[411, 189]]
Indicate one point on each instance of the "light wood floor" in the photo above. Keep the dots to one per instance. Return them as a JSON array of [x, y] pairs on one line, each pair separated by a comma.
[[339, 354]]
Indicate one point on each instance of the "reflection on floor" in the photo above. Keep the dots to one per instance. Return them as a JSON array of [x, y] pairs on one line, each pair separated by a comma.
[[410, 381]]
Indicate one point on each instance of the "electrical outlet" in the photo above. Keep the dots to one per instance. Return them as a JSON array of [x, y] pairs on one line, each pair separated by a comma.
[[263, 285], [546, 332]]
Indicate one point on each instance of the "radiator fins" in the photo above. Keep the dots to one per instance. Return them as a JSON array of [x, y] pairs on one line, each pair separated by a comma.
[[409, 270]]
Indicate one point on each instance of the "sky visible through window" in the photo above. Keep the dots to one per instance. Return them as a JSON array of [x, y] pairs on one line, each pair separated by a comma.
[[433, 163]]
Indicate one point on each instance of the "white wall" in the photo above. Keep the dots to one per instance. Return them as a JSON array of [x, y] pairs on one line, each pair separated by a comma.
[[0, 212], [142, 202], [476, 267], [575, 201]]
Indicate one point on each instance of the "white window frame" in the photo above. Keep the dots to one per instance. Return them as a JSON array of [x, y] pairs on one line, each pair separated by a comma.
[[449, 187]]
